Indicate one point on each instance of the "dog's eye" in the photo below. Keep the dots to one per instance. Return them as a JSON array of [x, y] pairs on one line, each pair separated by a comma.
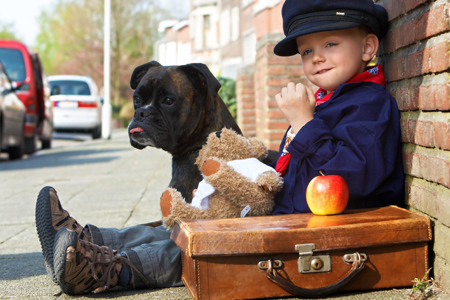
[[168, 101], [137, 100]]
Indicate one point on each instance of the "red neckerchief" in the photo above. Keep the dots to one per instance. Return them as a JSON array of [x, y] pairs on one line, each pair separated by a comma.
[[374, 74]]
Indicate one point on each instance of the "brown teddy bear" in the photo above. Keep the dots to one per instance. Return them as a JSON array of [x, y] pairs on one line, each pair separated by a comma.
[[236, 183]]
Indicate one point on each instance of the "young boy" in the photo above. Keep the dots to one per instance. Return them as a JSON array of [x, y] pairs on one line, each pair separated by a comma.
[[351, 126], [351, 129]]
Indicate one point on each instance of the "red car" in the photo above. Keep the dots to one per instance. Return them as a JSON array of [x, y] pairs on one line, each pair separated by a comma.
[[24, 68]]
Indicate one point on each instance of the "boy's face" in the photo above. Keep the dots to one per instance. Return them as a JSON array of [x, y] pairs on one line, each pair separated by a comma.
[[331, 58]]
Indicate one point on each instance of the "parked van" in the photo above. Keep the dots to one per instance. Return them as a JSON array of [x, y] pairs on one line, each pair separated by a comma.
[[24, 68]]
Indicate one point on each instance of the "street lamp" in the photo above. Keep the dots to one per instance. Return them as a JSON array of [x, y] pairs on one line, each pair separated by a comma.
[[106, 108]]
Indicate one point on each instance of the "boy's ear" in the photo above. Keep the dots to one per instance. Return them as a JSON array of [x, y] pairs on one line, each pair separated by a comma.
[[370, 49]]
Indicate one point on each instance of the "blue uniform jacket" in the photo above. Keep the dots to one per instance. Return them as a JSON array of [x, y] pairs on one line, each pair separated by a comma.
[[355, 134]]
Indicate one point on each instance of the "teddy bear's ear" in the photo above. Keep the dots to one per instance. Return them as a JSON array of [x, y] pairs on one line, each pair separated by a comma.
[[260, 149]]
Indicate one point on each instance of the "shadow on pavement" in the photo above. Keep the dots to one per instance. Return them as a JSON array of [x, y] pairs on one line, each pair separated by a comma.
[[17, 266], [63, 158]]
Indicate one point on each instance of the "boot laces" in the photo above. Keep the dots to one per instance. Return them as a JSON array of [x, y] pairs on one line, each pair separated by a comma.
[[108, 259]]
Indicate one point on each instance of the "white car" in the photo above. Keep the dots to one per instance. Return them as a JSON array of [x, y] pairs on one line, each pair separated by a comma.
[[76, 104]]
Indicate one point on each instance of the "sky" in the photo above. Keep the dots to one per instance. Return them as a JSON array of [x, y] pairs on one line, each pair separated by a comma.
[[23, 15]]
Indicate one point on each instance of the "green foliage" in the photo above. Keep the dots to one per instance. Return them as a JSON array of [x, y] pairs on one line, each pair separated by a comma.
[[7, 32], [228, 94], [71, 39], [420, 285]]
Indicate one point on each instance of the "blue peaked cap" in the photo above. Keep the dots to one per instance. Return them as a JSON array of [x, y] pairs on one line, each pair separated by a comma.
[[301, 17]]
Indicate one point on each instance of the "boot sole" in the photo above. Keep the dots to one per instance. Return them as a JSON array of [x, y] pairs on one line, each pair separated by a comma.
[[45, 229], [64, 238]]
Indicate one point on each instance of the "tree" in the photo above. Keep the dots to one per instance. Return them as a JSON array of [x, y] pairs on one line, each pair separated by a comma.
[[71, 39], [7, 32]]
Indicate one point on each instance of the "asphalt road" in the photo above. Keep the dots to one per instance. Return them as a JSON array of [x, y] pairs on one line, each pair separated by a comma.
[[103, 182]]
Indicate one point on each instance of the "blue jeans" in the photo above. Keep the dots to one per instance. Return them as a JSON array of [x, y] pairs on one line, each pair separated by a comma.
[[150, 249]]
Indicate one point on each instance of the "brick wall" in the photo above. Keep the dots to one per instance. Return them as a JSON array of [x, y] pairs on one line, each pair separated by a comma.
[[245, 96], [415, 56]]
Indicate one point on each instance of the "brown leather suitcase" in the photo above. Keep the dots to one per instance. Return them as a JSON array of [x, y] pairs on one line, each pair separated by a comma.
[[303, 254]]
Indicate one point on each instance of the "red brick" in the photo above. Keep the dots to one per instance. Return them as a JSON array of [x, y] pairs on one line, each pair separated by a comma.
[[411, 129], [279, 82], [295, 71], [248, 113], [424, 133], [276, 70], [426, 99], [271, 104], [436, 169], [275, 114], [442, 95], [432, 22], [395, 69], [248, 106], [409, 5], [405, 132], [407, 98], [407, 162], [440, 58], [273, 146], [276, 125], [248, 120], [442, 134], [271, 135], [394, 8], [273, 91]]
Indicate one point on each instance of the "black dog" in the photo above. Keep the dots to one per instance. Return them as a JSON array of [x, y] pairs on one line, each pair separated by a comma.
[[176, 108]]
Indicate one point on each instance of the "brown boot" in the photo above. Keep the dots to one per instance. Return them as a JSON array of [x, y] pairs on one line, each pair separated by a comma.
[[82, 267], [50, 217]]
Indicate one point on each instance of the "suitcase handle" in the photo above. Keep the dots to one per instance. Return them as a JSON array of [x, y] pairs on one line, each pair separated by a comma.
[[273, 276]]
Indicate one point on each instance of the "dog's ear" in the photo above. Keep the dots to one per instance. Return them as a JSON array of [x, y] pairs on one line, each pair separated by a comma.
[[140, 71], [201, 77]]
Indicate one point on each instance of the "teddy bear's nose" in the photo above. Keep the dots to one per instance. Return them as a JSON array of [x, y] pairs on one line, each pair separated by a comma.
[[218, 133]]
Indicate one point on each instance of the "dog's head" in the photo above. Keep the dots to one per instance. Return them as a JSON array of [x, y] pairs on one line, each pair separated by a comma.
[[175, 106]]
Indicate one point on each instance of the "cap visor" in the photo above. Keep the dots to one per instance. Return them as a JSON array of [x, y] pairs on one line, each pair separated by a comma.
[[288, 45]]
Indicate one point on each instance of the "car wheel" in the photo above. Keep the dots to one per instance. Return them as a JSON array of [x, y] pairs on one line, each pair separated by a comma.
[[16, 152], [31, 144], [46, 144], [97, 132], [1, 133]]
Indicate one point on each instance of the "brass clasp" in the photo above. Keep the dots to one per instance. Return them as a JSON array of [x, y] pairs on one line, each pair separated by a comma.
[[309, 263]]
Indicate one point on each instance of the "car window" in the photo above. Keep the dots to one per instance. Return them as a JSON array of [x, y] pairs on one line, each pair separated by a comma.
[[4, 83], [69, 87], [12, 60]]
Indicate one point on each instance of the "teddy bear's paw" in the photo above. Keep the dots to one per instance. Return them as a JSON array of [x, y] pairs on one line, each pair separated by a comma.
[[210, 167], [165, 202], [168, 222], [270, 182]]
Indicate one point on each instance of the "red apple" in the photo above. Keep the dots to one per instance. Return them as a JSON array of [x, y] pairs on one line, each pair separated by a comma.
[[327, 195]]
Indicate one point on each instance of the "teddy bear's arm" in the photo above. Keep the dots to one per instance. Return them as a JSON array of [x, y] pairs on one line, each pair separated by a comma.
[[174, 206], [238, 188]]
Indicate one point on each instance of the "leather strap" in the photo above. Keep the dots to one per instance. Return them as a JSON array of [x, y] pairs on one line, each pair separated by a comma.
[[273, 276], [153, 224]]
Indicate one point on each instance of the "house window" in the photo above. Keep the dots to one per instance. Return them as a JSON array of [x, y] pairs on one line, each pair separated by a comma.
[[249, 47], [246, 3], [234, 23], [206, 30], [224, 28]]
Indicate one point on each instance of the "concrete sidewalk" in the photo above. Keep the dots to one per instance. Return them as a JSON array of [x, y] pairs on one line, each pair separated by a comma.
[[106, 183]]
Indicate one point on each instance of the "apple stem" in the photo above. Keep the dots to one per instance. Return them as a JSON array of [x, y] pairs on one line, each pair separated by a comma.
[[321, 173]]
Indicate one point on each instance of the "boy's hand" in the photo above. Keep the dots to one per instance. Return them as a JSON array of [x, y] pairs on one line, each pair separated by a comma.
[[297, 103]]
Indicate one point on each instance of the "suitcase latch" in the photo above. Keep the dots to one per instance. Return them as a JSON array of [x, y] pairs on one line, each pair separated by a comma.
[[309, 263]]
